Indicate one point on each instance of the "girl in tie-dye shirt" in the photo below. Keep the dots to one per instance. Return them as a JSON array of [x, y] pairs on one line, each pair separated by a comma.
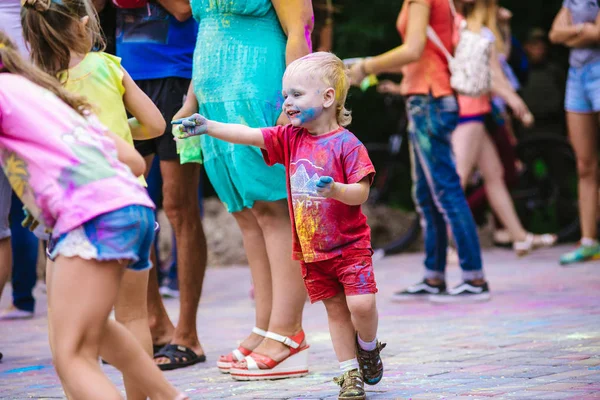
[[78, 179], [328, 177]]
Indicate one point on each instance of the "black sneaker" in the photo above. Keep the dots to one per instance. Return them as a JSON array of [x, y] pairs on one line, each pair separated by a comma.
[[466, 292], [421, 290], [370, 363], [352, 386]]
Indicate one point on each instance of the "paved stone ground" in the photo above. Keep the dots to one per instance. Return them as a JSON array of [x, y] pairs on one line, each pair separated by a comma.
[[538, 338]]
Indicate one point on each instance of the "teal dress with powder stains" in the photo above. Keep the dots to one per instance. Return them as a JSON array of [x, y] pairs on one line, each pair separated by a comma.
[[239, 61]]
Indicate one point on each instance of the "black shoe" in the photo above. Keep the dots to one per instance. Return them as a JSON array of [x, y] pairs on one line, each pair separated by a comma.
[[466, 292], [421, 290], [352, 386], [370, 363]]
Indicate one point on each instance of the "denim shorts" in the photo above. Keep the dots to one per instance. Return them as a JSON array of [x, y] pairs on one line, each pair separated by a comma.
[[125, 234], [583, 89]]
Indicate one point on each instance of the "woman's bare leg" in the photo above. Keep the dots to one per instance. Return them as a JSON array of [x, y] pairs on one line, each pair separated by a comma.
[[5, 262], [583, 133], [256, 252], [289, 293]]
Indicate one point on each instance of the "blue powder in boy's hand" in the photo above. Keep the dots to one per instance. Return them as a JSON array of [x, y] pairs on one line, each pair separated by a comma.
[[324, 181]]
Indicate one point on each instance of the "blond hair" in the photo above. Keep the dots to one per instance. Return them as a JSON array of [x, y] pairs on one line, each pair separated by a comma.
[[331, 70], [486, 12]]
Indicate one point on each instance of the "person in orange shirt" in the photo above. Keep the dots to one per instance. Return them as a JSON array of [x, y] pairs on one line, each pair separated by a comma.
[[433, 116]]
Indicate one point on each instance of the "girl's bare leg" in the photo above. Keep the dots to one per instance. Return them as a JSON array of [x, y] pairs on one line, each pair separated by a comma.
[[289, 293], [467, 139], [583, 133], [80, 297], [498, 196], [122, 350], [131, 311]]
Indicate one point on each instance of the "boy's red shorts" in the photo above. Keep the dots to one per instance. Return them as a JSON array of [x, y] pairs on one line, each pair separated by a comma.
[[351, 273]]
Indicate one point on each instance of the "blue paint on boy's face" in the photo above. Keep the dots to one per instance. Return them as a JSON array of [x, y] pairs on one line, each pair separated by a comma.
[[307, 115]]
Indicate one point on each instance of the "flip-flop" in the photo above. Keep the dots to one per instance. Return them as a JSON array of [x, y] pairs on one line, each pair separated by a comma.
[[158, 347], [179, 357]]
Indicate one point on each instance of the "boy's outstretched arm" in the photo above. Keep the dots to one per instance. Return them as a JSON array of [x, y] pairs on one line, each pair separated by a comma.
[[353, 194], [196, 125]]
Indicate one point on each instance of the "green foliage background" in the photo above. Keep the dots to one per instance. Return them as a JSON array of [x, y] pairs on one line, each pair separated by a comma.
[[364, 28]]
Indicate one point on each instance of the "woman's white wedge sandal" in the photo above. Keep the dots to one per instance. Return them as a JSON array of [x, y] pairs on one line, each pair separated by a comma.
[[533, 242], [260, 367], [224, 363]]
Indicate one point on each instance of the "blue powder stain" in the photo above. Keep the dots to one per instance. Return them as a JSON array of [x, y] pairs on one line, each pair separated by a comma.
[[307, 115], [24, 369]]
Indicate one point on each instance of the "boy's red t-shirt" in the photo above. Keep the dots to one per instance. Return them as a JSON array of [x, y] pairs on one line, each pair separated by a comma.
[[322, 228]]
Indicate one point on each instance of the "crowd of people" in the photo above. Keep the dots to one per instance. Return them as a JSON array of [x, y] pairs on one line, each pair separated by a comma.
[[248, 91]]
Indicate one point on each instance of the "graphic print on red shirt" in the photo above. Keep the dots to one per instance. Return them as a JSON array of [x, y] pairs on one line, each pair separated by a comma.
[[322, 227]]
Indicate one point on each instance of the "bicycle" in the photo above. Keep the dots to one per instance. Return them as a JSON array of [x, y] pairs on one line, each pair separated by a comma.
[[544, 195]]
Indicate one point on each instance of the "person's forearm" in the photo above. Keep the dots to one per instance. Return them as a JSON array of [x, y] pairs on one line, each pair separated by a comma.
[[297, 44], [142, 132], [180, 9], [353, 194], [587, 38], [393, 60], [236, 133], [190, 106], [562, 34]]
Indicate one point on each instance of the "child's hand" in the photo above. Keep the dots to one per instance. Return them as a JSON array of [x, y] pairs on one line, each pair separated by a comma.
[[194, 125], [325, 186]]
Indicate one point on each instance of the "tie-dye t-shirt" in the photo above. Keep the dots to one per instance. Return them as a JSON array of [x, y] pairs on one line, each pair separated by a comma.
[[322, 227], [61, 165]]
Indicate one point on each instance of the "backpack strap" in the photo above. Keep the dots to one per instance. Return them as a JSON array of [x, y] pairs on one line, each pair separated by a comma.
[[431, 35], [437, 41]]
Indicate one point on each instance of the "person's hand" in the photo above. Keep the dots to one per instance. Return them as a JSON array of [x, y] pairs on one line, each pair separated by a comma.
[[388, 86], [589, 30], [193, 125], [325, 186], [357, 73], [29, 221], [518, 107], [504, 14]]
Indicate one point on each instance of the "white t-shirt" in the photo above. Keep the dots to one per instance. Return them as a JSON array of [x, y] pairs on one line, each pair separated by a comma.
[[10, 23]]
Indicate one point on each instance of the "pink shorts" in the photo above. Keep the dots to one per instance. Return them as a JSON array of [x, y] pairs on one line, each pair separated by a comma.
[[351, 273]]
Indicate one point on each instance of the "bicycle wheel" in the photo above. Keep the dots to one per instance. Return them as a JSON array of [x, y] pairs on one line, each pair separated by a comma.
[[546, 194]]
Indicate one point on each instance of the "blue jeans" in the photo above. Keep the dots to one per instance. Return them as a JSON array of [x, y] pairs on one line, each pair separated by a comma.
[[25, 255], [437, 191]]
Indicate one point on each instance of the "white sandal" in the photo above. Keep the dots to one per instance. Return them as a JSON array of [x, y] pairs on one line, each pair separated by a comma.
[[225, 362], [294, 365], [533, 242]]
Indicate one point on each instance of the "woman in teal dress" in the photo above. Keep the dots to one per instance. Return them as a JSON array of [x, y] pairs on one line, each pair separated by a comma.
[[240, 57]]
